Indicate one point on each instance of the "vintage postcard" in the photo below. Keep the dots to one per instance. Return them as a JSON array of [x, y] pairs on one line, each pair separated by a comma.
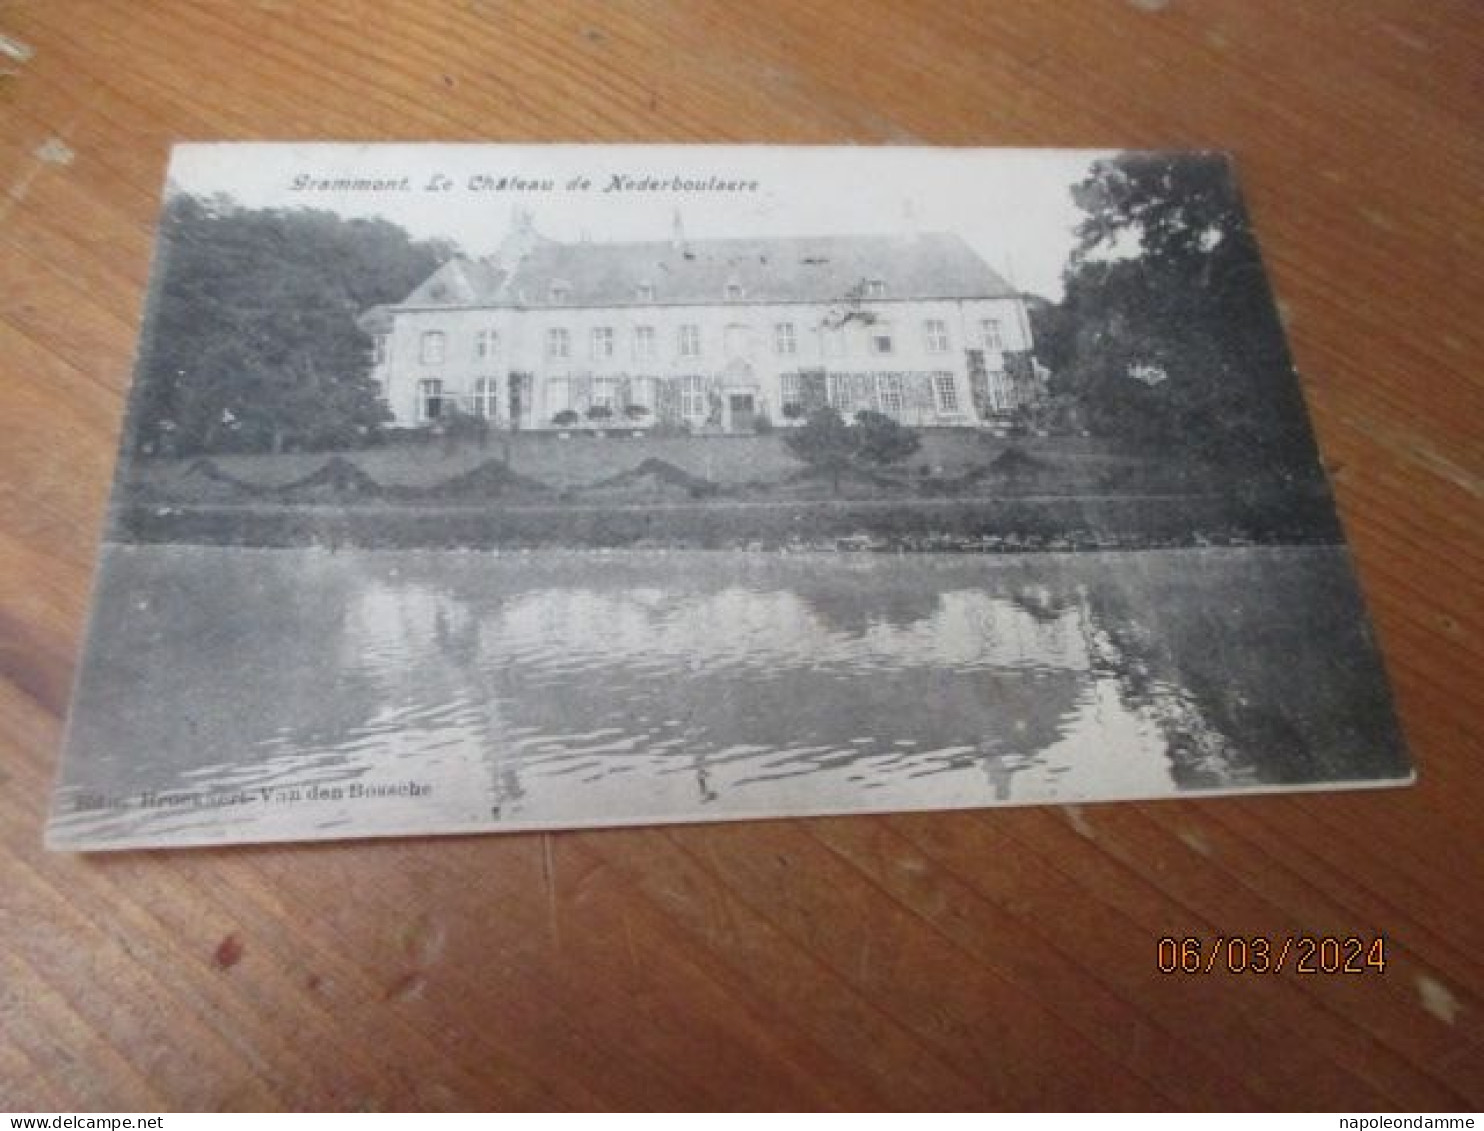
[[480, 488]]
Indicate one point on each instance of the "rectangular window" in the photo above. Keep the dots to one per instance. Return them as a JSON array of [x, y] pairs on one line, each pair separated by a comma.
[[486, 344], [946, 391], [486, 401], [881, 342], [784, 341], [935, 332], [693, 397], [990, 331], [889, 393], [734, 291], [605, 393], [690, 341], [791, 392], [558, 343], [645, 292], [379, 350], [642, 392], [602, 342], [560, 292], [429, 399], [432, 347], [875, 288], [643, 343], [999, 399], [558, 395], [841, 399]]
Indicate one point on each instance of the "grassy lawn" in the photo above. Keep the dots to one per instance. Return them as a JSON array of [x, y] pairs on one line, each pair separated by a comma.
[[728, 461], [709, 492]]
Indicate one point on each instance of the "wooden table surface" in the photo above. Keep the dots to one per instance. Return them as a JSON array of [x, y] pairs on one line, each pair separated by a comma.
[[1002, 958]]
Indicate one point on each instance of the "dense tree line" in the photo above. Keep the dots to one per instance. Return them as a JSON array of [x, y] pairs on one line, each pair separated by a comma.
[[253, 344], [1167, 338]]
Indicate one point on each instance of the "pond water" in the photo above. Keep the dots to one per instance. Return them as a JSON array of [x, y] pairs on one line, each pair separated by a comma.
[[245, 694]]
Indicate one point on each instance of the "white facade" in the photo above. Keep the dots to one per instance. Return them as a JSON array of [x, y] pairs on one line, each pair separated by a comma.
[[711, 366]]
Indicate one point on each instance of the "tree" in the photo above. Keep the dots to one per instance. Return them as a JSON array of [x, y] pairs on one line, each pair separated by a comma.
[[459, 426], [254, 342], [831, 447], [880, 440], [1053, 331], [1168, 337], [824, 442]]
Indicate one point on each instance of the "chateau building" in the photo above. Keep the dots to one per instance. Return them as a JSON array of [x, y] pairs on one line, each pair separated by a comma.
[[708, 335]]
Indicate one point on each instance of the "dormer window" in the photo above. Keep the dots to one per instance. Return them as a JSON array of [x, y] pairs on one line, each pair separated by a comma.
[[734, 292], [560, 292], [644, 292], [875, 288]]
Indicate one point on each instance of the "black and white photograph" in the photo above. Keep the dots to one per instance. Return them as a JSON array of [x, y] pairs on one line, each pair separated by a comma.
[[472, 488]]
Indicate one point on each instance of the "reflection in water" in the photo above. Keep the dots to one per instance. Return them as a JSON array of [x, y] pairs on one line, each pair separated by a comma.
[[246, 695]]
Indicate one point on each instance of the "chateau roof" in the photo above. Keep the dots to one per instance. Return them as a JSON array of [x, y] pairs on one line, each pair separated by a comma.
[[459, 282], [823, 269]]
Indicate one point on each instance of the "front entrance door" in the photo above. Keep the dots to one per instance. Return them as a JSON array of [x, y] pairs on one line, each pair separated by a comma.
[[743, 412]]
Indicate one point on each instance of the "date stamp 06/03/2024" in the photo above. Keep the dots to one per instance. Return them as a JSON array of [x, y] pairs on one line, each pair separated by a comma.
[[1261, 954]]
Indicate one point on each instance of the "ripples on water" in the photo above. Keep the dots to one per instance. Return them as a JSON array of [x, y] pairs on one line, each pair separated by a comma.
[[244, 688]]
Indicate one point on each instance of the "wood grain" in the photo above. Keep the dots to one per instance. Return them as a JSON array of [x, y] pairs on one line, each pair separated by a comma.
[[983, 959]]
